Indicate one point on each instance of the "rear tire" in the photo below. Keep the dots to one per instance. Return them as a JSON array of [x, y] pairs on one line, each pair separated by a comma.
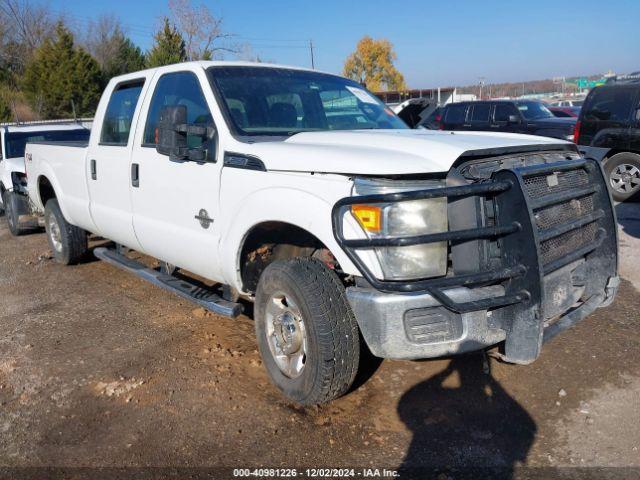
[[302, 314], [10, 201], [623, 176], [68, 243]]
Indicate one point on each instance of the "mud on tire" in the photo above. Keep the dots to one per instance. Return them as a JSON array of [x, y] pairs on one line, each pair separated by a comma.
[[332, 349], [68, 243]]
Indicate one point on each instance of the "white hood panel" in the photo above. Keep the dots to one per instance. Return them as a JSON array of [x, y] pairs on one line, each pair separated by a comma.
[[382, 152]]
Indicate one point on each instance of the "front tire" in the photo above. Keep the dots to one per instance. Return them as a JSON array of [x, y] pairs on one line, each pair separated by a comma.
[[68, 243], [306, 331], [623, 174]]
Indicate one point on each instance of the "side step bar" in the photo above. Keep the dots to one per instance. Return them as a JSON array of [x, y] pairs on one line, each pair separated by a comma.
[[202, 296]]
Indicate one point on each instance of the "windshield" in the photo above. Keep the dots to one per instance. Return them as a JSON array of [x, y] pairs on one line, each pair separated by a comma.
[[278, 101], [16, 141], [534, 110]]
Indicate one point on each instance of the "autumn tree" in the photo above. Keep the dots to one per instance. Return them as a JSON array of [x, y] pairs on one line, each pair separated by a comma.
[[202, 31], [115, 53], [168, 47], [62, 76], [372, 64]]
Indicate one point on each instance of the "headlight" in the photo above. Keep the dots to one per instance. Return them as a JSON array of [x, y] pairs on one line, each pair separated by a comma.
[[404, 219]]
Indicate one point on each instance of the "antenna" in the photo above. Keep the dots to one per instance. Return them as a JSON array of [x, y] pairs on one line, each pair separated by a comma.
[[15, 111], [73, 107], [313, 63]]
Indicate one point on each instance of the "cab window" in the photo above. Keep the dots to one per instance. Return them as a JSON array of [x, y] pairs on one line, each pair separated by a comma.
[[610, 105], [116, 125], [455, 114], [180, 88], [480, 113], [503, 112]]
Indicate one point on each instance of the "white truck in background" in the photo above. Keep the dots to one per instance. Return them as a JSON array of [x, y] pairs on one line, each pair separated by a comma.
[[302, 192], [13, 180]]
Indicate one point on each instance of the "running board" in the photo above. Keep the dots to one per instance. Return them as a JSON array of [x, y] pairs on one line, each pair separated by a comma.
[[202, 296]]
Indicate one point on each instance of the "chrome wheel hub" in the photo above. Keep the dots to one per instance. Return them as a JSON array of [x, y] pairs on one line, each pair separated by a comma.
[[54, 233], [625, 178], [286, 335]]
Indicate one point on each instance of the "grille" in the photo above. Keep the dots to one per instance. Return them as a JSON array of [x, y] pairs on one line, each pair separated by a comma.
[[563, 212], [539, 186], [566, 243]]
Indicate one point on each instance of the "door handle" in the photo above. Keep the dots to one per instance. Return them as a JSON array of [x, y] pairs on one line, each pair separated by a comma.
[[94, 170], [135, 175]]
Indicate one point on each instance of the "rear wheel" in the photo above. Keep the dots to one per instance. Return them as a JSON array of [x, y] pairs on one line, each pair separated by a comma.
[[68, 243], [306, 331], [10, 201], [623, 174]]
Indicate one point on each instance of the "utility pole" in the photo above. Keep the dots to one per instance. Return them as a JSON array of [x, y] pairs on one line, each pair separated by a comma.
[[313, 63], [481, 81]]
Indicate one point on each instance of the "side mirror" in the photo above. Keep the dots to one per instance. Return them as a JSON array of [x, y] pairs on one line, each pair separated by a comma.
[[514, 119], [172, 132], [168, 140]]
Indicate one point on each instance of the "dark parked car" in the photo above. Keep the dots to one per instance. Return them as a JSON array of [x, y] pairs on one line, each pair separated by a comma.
[[608, 130], [565, 112], [519, 116]]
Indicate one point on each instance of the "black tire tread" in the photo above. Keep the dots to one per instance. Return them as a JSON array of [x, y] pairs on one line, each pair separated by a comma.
[[335, 325], [74, 239]]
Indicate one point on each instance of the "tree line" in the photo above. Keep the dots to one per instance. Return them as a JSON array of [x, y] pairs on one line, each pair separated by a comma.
[[49, 69]]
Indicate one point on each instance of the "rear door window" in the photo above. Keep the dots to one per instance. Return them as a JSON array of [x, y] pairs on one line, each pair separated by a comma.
[[116, 125], [480, 113], [456, 114], [610, 105]]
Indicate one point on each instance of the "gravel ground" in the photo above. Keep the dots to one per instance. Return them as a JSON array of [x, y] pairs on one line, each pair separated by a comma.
[[99, 369]]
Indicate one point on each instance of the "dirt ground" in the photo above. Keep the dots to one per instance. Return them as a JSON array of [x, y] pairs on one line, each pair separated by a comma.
[[99, 369]]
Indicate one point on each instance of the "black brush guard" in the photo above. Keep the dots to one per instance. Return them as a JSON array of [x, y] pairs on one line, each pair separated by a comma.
[[547, 216]]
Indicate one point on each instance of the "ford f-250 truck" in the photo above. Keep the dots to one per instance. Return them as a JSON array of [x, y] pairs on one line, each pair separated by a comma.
[[13, 181], [302, 192]]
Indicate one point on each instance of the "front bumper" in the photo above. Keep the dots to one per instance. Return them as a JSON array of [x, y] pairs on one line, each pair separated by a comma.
[[551, 244], [416, 326]]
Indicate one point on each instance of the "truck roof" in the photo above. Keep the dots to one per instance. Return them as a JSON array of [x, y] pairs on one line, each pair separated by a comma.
[[204, 64]]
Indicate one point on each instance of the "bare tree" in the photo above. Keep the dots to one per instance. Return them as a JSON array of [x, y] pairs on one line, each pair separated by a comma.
[[25, 23], [202, 31], [102, 38]]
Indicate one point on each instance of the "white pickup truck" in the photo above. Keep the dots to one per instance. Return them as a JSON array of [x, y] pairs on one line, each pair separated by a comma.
[[302, 192], [13, 181]]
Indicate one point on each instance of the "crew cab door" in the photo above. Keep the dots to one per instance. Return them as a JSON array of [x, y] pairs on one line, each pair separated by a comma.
[[175, 202], [107, 167], [478, 118]]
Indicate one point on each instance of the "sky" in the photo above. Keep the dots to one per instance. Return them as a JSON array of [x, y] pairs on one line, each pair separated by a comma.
[[437, 43]]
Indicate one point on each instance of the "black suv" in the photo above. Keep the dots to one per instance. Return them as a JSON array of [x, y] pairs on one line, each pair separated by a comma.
[[608, 130], [518, 116]]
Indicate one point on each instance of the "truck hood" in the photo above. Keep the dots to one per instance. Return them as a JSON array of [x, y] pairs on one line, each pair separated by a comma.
[[385, 152], [555, 122]]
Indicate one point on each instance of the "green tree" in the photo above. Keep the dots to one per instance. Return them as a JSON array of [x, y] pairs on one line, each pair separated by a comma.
[[6, 115], [168, 47], [116, 54], [128, 58], [61, 73], [372, 65]]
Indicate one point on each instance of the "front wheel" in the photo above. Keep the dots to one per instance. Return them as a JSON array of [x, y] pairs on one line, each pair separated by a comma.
[[623, 174], [68, 243], [307, 334]]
